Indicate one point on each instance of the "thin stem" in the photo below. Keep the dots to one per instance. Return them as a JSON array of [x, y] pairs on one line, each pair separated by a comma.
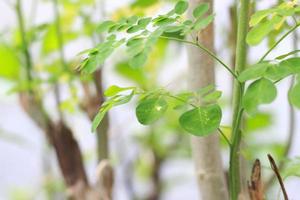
[[211, 54], [224, 136], [238, 91], [278, 42], [276, 171], [25, 46], [291, 131], [181, 100]]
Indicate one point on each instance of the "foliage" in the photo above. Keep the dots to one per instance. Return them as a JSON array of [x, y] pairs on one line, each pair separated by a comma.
[[146, 31]]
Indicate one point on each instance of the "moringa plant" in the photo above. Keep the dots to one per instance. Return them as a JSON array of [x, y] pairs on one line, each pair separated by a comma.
[[200, 111]]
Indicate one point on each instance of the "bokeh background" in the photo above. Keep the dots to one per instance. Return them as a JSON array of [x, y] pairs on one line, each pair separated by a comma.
[[28, 166]]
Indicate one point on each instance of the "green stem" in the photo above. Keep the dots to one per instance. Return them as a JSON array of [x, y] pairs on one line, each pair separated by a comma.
[[238, 90], [211, 54], [25, 47], [225, 137], [181, 100], [277, 43]]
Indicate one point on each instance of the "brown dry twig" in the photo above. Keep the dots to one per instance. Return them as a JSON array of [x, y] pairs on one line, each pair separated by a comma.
[[276, 171], [255, 186]]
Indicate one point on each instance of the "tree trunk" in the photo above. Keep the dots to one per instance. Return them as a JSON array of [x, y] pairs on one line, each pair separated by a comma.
[[206, 150]]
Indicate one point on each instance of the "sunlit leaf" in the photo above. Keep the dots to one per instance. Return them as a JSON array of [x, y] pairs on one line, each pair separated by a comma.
[[181, 7], [99, 117], [260, 31], [104, 26], [258, 121], [254, 71], [201, 121], [203, 23], [151, 109], [212, 97], [9, 64], [144, 21], [283, 69], [200, 10], [259, 16], [114, 89], [139, 60]]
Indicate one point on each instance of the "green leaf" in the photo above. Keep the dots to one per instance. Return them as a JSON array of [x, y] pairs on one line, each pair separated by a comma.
[[151, 109], [132, 20], [144, 21], [258, 122], [172, 29], [200, 10], [99, 117], [259, 16], [107, 105], [188, 22], [121, 99], [205, 90], [104, 26], [212, 97], [292, 64], [164, 21], [294, 95], [181, 7], [114, 89], [254, 71], [95, 61], [9, 63], [98, 55], [261, 91], [203, 23], [277, 72], [283, 69], [134, 29], [201, 121], [139, 60], [260, 31], [136, 75]]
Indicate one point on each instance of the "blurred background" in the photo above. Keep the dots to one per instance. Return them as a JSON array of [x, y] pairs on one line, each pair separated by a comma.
[[148, 161]]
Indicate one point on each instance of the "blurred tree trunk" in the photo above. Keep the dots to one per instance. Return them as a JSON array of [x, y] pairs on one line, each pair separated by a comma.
[[59, 135], [206, 150]]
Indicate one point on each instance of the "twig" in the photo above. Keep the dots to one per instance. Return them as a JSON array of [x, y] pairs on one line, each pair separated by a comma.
[[255, 185], [291, 131], [276, 171], [277, 43], [25, 45], [211, 54], [224, 136]]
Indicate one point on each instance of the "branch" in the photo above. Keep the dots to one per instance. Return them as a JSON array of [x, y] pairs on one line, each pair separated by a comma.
[[276, 171], [291, 131], [224, 136], [278, 42], [238, 91], [25, 46], [211, 54]]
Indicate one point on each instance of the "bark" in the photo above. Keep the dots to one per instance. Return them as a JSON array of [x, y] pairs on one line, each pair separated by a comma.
[[156, 178], [65, 146], [206, 151], [105, 180], [93, 100]]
